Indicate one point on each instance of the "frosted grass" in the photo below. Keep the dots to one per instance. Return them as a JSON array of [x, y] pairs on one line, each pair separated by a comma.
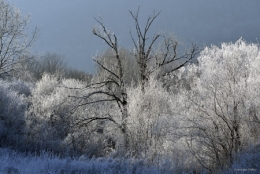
[[13, 162]]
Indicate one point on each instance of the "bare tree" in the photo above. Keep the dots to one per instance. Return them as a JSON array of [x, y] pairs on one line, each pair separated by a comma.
[[14, 43], [129, 66], [111, 87], [51, 63], [149, 60]]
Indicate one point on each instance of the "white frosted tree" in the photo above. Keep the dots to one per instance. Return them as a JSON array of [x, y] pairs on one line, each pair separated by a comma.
[[220, 107], [14, 42]]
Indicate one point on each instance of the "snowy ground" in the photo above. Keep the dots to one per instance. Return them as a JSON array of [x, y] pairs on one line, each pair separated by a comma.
[[13, 162]]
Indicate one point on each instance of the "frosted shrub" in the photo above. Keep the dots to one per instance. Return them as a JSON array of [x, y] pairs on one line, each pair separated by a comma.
[[149, 120], [12, 114], [46, 85], [47, 116], [21, 87], [54, 118]]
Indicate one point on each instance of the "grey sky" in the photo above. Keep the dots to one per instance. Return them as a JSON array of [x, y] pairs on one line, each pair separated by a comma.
[[66, 25]]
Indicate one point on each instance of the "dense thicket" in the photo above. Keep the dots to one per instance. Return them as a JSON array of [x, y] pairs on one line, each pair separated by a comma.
[[206, 119], [152, 104]]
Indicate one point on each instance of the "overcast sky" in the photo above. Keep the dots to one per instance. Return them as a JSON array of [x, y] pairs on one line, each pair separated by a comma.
[[66, 25]]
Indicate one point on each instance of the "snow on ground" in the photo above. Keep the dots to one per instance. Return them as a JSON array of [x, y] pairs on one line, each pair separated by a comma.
[[13, 162]]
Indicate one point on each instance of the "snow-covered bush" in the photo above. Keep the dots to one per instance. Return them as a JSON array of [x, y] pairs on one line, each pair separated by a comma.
[[153, 124], [148, 115], [13, 106], [57, 123], [21, 87]]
